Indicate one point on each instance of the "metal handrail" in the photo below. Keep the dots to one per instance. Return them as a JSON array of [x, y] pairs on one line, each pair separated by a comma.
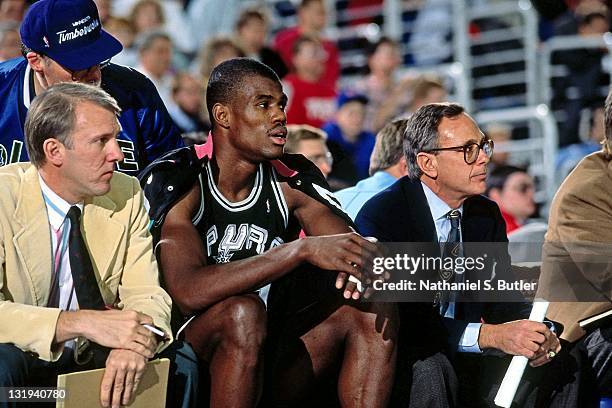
[[547, 144], [560, 43]]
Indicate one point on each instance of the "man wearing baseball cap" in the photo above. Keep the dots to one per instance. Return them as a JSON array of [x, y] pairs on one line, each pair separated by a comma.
[[63, 41]]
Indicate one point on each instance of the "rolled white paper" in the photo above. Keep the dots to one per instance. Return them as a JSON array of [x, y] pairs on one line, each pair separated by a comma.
[[510, 383]]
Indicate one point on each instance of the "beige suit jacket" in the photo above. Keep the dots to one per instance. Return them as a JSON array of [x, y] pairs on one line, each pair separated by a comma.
[[577, 255], [115, 230]]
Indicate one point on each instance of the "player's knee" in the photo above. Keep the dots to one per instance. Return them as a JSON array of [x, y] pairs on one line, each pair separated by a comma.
[[375, 316], [244, 329]]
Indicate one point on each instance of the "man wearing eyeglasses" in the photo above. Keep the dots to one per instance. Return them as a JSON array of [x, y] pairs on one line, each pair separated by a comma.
[[63, 41], [440, 201]]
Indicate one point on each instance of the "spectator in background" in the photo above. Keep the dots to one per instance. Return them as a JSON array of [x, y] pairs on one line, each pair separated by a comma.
[[501, 134], [387, 164], [426, 89], [512, 189], [585, 77], [214, 52], [431, 31], [251, 31], [388, 96], [311, 21], [155, 61], [310, 142], [121, 29], [187, 106], [147, 15], [347, 135], [12, 10], [311, 101], [210, 18], [104, 9], [166, 15], [10, 44], [569, 156]]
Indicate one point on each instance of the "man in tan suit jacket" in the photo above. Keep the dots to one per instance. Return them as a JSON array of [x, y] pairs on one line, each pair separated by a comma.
[[576, 271], [71, 139]]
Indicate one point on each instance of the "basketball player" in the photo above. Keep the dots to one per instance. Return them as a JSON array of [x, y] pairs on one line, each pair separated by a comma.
[[227, 215]]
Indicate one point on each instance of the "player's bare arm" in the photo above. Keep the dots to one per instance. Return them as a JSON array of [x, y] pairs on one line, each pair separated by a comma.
[[195, 285]]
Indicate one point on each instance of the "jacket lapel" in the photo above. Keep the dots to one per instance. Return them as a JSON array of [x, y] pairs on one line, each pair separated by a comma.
[[101, 233], [420, 218], [33, 241]]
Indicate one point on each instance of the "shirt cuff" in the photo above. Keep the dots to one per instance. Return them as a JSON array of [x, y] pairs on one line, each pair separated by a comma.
[[468, 343]]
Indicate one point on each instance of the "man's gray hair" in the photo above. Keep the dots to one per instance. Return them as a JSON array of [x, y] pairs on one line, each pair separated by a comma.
[[388, 148], [52, 115], [422, 132]]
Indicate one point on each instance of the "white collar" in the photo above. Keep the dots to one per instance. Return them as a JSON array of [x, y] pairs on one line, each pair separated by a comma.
[[57, 207], [439, 209]]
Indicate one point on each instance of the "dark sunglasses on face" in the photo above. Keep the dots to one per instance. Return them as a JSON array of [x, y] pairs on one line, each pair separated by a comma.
[[471, 150]]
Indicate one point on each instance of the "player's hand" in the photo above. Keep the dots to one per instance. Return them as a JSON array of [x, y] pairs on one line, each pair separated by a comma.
[[121, 329], [520, 338], [550, 344], [349, 253], [124, 369]]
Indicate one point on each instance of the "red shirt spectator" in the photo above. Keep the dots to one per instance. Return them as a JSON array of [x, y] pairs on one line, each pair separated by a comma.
[[310, 103], [311, 22]]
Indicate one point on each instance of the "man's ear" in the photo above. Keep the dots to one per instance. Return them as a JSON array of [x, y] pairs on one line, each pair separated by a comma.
[[403, 166], [36, 61], [54, 151], [428, 163], [221, 115]]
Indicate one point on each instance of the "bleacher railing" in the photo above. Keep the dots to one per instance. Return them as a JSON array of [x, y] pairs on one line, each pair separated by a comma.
[[541, 147]]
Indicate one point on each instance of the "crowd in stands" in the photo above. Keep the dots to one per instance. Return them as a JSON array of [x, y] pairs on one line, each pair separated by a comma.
[[176, 42]]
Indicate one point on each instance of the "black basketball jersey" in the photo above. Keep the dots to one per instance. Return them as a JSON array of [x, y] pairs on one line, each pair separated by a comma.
[[233, 231]]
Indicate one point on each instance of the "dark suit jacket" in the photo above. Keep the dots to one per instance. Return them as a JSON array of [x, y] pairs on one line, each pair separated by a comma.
[[401, 214]]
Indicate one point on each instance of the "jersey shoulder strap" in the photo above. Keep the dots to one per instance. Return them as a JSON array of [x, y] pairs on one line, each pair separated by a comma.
[[301, 174], [168, 178]]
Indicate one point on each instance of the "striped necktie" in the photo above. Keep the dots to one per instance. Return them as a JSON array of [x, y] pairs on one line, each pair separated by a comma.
[[85, 284], [451, 248]]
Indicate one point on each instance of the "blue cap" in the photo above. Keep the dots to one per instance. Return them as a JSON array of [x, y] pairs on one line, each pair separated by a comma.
[[69, 32], [349, 96]]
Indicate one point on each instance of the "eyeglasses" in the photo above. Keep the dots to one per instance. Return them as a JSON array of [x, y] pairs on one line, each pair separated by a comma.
[[326, 158], [471, 150]]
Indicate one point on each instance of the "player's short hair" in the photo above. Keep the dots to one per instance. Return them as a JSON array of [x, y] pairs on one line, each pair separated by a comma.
[[228, 78], [388, 149], [52, 115], [422, 132], [297, 133]]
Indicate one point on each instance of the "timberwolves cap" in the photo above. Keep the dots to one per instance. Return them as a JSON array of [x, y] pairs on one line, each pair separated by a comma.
[[69, 32]]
